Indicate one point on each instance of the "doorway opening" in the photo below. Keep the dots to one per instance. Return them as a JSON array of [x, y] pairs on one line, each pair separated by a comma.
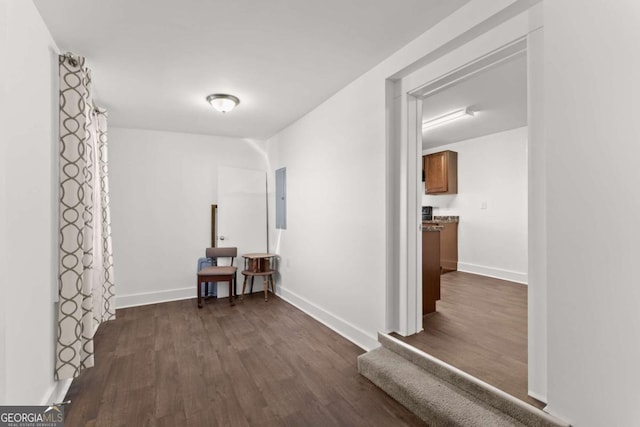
[[487, 288]]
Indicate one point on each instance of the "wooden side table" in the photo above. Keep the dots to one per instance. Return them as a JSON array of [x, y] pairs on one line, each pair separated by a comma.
[[259, 264]]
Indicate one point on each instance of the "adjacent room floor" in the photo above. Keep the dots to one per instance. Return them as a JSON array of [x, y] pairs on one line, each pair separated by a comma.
[[255, 363], [480, 326]]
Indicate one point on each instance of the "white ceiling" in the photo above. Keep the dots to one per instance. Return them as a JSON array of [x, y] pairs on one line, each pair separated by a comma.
[[498, 94], [154, 61]]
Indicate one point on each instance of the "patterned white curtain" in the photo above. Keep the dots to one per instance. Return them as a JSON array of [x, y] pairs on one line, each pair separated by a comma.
[[86, 285]]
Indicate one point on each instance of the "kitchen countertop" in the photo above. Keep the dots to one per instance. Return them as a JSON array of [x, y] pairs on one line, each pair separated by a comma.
[[442, 220], [430, 227]]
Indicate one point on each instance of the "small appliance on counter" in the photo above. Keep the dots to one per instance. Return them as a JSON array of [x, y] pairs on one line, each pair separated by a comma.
[[427, 213]]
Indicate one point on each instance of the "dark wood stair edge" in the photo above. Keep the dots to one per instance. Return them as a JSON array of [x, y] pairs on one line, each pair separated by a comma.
[[481, 390]]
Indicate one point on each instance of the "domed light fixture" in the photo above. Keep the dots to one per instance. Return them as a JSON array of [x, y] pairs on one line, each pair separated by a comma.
[[223, 102]]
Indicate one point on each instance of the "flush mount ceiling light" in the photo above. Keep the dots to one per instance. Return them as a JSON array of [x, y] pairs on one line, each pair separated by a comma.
[[223, 102], [447, 118]]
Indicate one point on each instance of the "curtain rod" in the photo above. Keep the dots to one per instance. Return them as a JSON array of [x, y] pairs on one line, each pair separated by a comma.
[[74, 62], [71, 58]]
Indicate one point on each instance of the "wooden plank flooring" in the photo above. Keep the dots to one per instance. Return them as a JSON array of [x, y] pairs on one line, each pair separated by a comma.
[[256, 363], [480, 326]]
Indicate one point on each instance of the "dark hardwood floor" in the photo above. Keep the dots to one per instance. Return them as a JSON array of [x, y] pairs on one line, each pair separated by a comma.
[[257, 363], [480, 327]]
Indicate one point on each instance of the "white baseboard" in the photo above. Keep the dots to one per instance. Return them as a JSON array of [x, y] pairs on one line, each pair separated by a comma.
[[498, 273], [56, 392], [145, 298], [156, 297], [351, 332], [537, 396], [560, 416]]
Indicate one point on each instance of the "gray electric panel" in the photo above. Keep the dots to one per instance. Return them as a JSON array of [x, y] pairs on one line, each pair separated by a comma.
[[281, 198]]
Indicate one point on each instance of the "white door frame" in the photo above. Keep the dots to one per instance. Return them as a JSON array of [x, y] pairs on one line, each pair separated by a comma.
[[404, 307]]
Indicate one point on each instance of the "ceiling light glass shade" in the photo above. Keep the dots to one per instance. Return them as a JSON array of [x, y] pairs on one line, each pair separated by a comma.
[[223, 102], [446, 118]]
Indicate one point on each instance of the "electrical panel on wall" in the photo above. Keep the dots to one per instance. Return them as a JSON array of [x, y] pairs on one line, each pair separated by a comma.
[[281, 198]]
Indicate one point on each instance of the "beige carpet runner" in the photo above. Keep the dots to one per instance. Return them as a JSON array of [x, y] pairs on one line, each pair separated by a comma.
[[441, 394]]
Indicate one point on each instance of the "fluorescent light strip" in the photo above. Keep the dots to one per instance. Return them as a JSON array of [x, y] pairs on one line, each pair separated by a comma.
[[446, 118]]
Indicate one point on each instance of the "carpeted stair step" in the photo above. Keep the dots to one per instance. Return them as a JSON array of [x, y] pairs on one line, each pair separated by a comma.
[[441, 394], [432, 399]]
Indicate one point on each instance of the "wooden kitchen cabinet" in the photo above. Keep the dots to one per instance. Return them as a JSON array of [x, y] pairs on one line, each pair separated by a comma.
[[448, 260], [441, 172], [430, 270], [449, 247]]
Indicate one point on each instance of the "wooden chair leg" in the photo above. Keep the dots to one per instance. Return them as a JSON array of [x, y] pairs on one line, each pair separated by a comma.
[[231, 301], [244, 286], [264, 282], [251, 289], [199, 293], [273, 286]]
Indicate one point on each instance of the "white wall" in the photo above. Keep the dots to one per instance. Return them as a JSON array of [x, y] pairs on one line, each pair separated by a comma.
[[4, 51], [593, 133], [29, 208], [334, 249], [491, 169], [162, 187]]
